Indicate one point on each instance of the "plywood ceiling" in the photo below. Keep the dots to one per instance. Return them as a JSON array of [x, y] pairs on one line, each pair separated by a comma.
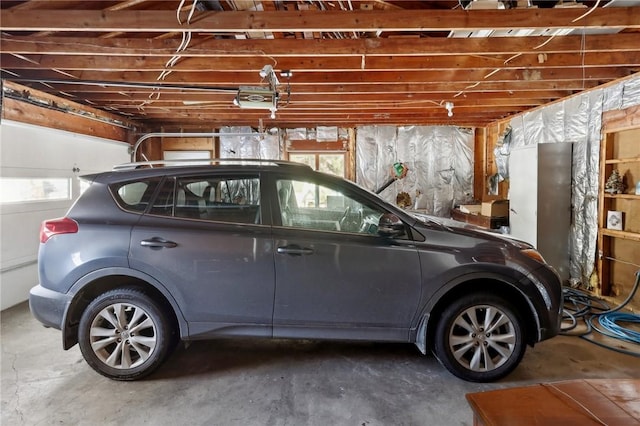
[[351, 63]]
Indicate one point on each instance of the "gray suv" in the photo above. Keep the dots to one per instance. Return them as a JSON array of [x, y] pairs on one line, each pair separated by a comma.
[[149, 256]]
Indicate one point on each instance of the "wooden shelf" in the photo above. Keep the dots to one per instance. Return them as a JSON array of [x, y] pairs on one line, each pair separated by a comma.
[[625, 235], [619, 149], [625, 196], [622, 160]]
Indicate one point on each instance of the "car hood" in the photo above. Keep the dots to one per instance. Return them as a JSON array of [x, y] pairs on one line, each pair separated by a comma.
[[468, 229]]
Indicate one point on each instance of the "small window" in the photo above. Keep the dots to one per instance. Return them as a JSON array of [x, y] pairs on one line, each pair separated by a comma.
[[132, 193], [20, 190], [211, 198], [320, 207], [134, 196], [332, 163]]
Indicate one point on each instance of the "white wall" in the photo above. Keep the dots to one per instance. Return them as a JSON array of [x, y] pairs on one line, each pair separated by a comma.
[[34, 151]]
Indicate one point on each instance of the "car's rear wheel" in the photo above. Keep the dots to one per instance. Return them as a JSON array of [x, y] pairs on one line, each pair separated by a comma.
[[479, 338], [124, 334]]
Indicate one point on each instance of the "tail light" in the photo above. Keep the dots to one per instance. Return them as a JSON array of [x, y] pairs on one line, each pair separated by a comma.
[[52, 227]]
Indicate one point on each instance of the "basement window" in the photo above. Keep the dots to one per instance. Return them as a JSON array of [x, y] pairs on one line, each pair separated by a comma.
[[327, 163], [20, 190]]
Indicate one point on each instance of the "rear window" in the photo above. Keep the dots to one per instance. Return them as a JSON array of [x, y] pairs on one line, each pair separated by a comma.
[[134, 196]]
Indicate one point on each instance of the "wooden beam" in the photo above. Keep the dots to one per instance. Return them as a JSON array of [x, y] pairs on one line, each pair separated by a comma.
[[344, 121], [44, 97], [426, 46], [317, 21], [442, 87], [25, 112], [325, 63], [482, 61], [301, 97], [620, 120], [231, 111], [235, 79]]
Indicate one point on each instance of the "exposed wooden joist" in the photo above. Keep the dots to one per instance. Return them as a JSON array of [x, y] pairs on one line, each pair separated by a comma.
[[380, 96], [392, 65], [312, 21], [427, 46], [326, 63], [67, 115], [234, 79], [296, 121], [566, 87]]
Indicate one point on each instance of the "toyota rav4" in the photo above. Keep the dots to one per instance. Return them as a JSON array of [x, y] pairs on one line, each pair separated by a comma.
[[149, 256]]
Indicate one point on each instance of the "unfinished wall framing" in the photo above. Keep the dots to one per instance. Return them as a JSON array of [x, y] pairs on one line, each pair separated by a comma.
[[619, 242]]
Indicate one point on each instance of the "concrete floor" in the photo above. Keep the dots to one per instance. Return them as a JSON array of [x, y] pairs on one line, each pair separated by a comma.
[[263, 382]]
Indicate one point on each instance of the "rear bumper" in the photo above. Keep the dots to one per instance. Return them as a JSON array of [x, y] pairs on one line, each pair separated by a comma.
[[48, 306]]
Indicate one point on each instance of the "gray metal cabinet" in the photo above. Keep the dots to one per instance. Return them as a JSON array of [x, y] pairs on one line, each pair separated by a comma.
[[540, 200]]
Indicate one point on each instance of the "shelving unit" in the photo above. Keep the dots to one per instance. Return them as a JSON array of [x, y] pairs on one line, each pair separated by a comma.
[[618, 250]]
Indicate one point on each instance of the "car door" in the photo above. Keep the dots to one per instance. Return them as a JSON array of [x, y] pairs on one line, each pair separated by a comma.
[[204, 240], [335, 276]]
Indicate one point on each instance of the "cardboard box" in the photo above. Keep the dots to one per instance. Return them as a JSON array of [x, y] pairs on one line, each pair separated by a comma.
[[496, 208], [471, 208]]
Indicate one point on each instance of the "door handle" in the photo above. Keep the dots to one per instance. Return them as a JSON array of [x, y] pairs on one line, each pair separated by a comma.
[[294, 250], [156, 242]]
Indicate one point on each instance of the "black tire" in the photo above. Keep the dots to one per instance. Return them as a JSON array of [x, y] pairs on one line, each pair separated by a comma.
[[465, 347], [124, 334]]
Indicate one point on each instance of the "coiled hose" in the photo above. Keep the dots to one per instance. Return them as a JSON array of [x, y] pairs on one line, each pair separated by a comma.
[[598, 317]]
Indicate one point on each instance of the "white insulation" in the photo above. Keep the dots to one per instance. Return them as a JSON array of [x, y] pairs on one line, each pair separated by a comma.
[[440, 162], [258, 145], [577, 120]]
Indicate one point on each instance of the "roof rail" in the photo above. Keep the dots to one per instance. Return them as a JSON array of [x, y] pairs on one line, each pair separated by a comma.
[[200, 162]]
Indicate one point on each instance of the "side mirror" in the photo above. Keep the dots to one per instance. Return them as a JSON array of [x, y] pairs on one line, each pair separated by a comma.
[[390, 225]]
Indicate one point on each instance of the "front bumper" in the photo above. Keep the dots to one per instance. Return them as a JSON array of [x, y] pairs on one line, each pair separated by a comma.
[[549, 286], [48, 306]]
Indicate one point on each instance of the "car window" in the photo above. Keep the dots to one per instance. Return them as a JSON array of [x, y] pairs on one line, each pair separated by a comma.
[[134, 196], [214, 198], [309, 205]]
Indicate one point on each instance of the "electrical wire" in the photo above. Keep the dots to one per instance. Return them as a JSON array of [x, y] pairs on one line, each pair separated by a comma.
[[587, 12], [596, 315]]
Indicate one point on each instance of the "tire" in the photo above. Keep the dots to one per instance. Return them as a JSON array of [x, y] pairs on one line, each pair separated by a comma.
[[464, 346], [124, 334]]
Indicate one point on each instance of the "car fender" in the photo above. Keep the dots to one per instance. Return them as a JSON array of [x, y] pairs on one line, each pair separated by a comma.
[[87, 279], [506, 277]]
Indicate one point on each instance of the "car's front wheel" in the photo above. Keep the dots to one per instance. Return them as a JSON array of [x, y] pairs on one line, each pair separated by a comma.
[[479, 338], [124, 334]]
